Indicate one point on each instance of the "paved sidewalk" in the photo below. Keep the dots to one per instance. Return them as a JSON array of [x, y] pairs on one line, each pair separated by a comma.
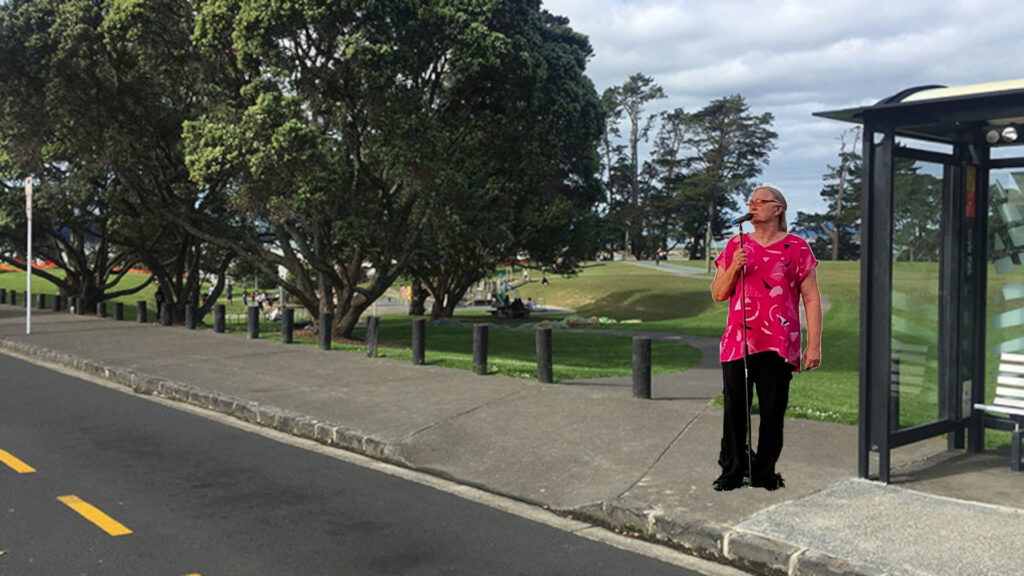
[[583, 448]]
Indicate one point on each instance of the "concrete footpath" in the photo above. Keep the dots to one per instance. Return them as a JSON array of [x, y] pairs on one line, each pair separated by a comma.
[[586, 448]]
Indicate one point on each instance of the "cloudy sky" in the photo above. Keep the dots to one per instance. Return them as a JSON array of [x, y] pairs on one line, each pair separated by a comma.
[[792, 58]]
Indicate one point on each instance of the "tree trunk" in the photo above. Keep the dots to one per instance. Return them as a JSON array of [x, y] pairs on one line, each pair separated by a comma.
[[345, 324], [839, 206], [418, 301], [707, 237]]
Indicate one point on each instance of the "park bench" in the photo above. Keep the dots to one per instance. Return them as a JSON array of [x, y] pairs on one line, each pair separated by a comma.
[[1009, 403]]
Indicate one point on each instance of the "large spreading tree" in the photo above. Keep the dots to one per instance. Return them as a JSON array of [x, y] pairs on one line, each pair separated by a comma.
[[517, 178], [354, 138], [93, 99]]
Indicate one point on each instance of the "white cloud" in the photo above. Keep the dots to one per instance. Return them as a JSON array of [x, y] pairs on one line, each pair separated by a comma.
[[795, 57]]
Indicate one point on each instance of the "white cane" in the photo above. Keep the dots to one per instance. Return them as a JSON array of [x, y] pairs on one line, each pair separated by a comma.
[[746, 375]]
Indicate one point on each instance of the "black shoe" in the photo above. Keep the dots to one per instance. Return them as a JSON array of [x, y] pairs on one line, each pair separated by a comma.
[[771, 484], [723, 484]]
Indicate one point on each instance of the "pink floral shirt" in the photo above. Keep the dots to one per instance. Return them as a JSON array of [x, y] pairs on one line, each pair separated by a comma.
[[773, 277]]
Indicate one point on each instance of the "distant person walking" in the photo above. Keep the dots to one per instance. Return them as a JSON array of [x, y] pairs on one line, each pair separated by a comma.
[[779, 270]]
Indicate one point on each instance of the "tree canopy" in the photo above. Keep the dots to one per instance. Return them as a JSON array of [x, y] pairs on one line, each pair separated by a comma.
[[349, 143], [92, 103], [357, 140], [836, 231], [701, 164]]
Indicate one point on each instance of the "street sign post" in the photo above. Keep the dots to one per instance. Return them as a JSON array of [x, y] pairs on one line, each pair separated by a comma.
[[28, 256]]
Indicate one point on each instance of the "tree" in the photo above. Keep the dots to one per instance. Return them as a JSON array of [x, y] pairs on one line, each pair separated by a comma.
[[915, 218], [71, 229], [835, 231], [338, 130], [729, 147], [163, 73], [41, 70], [522, 177], [668, 208], [630, 99], [94, 98], [612, 114]]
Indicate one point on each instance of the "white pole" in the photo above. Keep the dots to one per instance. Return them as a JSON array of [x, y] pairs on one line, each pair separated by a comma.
[[28, 261]]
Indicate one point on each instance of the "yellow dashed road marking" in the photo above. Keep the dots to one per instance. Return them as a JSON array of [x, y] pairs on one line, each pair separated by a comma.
[[15, 464], [94, 515]]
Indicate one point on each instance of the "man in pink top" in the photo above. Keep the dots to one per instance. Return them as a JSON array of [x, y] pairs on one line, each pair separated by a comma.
[[773, 270]]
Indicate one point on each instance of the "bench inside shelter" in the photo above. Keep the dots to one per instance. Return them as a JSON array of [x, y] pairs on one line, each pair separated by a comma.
[[1007, 409]]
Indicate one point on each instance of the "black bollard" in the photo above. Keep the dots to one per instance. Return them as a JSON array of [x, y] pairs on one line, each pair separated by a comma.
[[219, 312], [3, 295], [57, 303], [24, 300], [326, 324], [118, 311], [167, 313], [642, 368], [14, 297], [190, 316], [41, 301], [419, 341], [252, 322], [287, 325], [372, 335], [140, 311], [480, 338], [545, 373], [101, 309]]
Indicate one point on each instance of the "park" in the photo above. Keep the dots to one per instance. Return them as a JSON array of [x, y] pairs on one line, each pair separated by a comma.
[[401, 272]]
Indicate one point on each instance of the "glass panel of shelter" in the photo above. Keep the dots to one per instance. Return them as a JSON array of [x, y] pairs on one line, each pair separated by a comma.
[[917, 200], [1005, 310]]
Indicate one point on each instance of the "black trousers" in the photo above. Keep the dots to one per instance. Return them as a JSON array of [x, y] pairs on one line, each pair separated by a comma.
[[771, 375]]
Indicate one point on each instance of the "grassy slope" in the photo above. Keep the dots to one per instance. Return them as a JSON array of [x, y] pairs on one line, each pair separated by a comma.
[[683, 305]]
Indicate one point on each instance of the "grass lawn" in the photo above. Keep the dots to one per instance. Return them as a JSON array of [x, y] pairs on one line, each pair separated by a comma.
[[512, 352]]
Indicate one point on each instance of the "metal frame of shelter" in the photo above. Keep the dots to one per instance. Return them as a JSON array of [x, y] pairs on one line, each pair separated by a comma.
[[935, 231]]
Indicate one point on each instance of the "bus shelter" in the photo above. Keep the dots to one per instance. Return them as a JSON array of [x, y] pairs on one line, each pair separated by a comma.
[[942, 247]]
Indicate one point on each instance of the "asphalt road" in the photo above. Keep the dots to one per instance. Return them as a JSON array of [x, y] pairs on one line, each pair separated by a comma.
[[123, 485]]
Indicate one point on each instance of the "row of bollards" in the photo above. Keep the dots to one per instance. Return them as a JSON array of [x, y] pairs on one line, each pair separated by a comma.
[[543, 336], [543, 340]]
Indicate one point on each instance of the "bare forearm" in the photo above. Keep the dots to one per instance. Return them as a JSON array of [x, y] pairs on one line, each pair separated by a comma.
[[812, 309], [724, 284]]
